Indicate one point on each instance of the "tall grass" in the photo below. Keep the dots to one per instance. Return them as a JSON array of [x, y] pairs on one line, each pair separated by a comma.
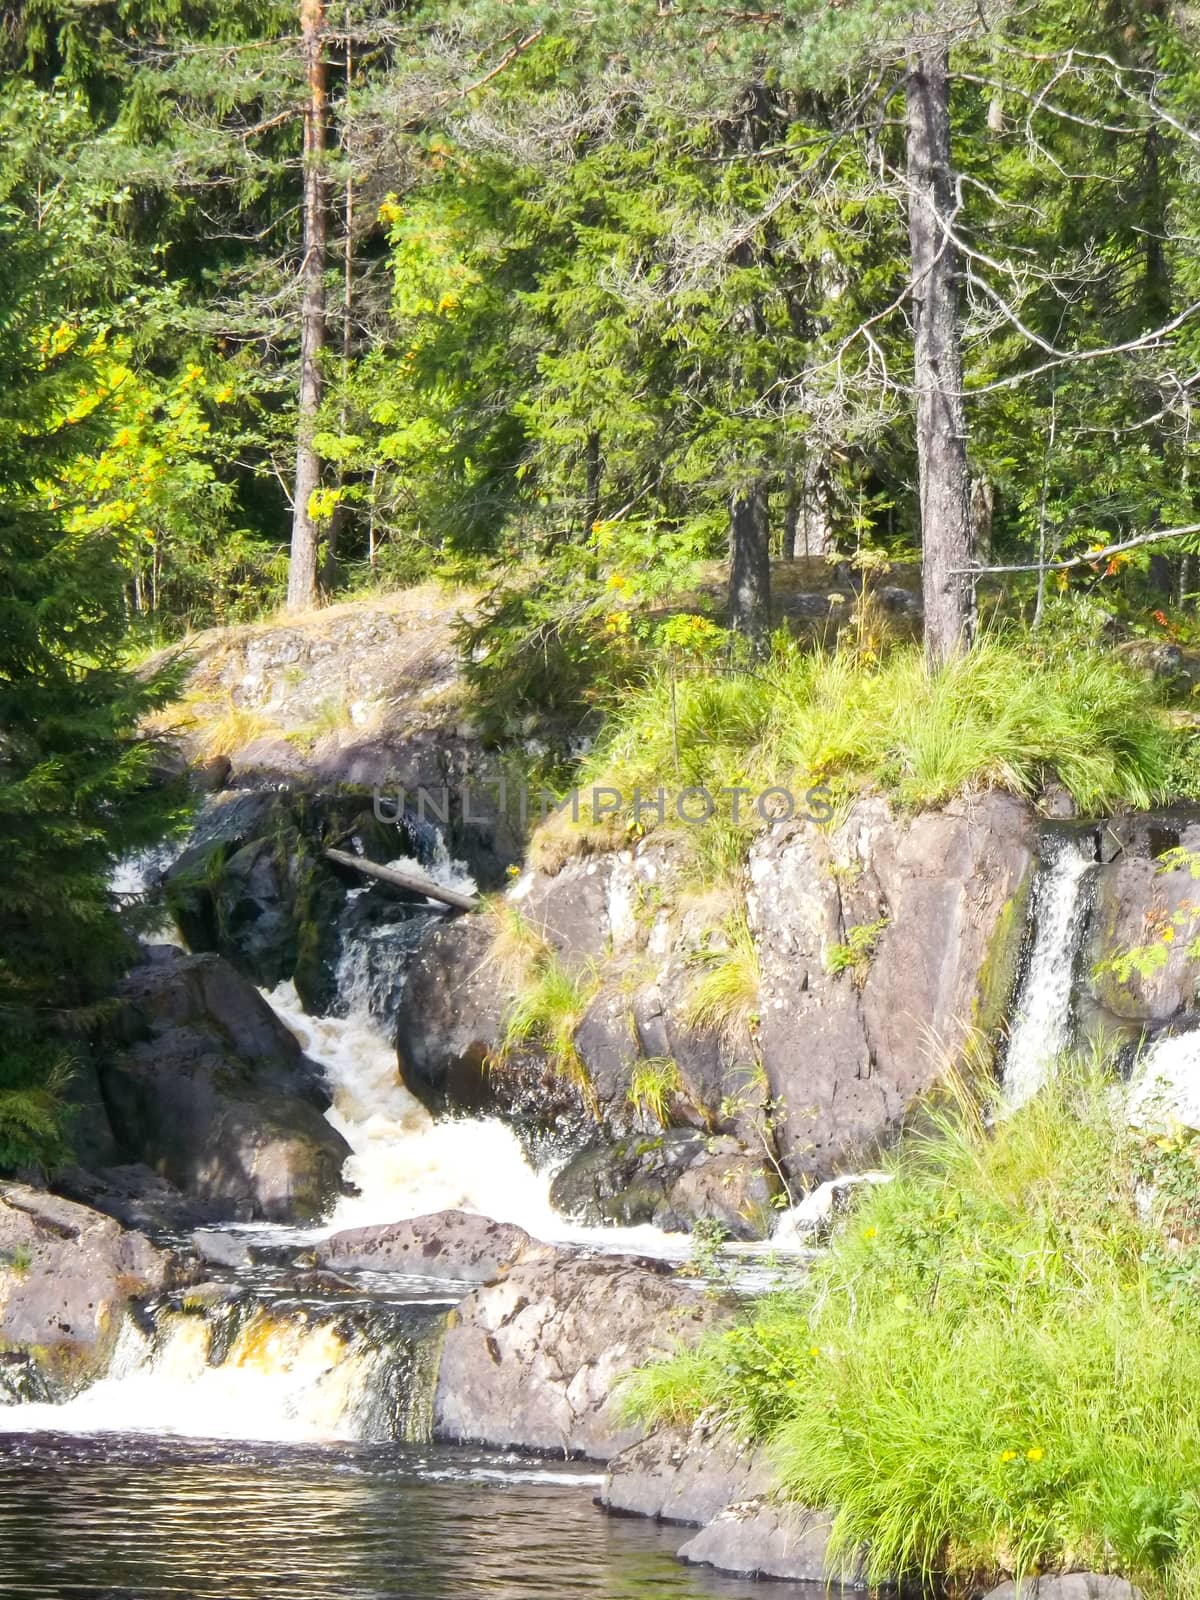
[[546, 1012], [996, 1367], [1008, 714]]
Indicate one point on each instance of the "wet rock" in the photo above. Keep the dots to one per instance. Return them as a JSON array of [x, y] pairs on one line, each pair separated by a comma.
[[673, 1180], [447, 1244], [1067, 1586], [625, 1183], [223, 1249], [135, 1196], [212, 1092], [448, 1018], [532, 1360], [678, 1475], [758, 1539], [67, 1275]]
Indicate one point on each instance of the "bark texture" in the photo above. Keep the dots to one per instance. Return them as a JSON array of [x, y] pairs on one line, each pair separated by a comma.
[[941, 421], [302, 571]]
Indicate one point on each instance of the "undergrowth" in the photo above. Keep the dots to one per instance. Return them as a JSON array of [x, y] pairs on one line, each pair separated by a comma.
[[994, 1369], [1012, 714]]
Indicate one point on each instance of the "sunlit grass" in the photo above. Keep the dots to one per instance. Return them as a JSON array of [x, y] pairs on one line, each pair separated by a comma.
[[995, 1369]]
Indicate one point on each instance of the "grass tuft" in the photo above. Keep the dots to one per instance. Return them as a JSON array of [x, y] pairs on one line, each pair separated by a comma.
[[723, 997], [654, 1083], [995, 1368], [547, 1011], [1011, 714]]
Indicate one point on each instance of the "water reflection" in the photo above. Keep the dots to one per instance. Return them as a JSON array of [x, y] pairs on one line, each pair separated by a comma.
[[128, 1519]]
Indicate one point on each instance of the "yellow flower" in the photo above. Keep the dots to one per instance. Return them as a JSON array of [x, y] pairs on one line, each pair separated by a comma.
[[870, 1233], [1034, 1453], [1008, 1455], [815, 1350], [1168, 934], [617, 580], [512, 870]]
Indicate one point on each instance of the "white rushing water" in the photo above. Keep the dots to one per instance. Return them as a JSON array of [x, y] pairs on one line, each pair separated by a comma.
[[1164, 1091], [1041, 1028], [404, 1164]]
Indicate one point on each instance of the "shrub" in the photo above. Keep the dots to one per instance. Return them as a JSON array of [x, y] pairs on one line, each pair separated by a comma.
[[995, 1366]]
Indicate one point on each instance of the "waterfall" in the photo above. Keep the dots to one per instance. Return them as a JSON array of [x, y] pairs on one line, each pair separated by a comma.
[[245, 1368], [404, 1164], [1042, 1026], [1164, 1090]]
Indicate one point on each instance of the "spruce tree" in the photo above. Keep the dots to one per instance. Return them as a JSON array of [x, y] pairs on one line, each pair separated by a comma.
[[74, 775]]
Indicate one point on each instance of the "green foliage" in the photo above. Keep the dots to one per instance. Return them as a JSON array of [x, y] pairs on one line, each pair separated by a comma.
[[653, 1084], [74, 778], [994, 1367], [855, 955], [546, 1012], [723, 992]]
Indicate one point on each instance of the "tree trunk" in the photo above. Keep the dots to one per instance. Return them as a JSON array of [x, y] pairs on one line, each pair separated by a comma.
[[302, 572], [947, 587], [750, 564]]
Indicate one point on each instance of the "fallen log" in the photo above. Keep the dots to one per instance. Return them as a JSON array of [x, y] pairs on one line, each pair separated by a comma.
[[413, 882]]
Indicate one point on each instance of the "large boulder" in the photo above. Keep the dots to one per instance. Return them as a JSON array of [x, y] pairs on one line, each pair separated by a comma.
[[447, 1244], [67, 1275], [683, 1476], [210, 1090], [673, 1180], [532, 1360], [759, 1539], [1067, 1586], [852, 1037]]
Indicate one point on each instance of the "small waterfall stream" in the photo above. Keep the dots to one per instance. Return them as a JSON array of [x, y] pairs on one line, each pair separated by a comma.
[[1060, 903], [245, 1366]]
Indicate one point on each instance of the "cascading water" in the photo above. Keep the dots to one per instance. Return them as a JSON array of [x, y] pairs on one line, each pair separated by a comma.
[[240, 1366], [404, 1164], [1042, 1026]]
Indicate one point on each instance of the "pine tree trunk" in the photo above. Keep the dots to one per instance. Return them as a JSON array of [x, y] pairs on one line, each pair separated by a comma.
[[941, 420], [302, 571], [750, 564]]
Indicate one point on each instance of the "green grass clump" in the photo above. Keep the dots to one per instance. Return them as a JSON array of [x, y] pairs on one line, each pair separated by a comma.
[[654, 1083], [546, 1012], [995, 1369], [1010, 714], [723, 995]]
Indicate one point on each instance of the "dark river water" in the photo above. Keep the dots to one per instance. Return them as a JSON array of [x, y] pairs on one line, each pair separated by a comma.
[[139, 1519]]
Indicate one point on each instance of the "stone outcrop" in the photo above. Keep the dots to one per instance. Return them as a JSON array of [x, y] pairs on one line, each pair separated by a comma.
[[1068, 1586], [67, 1275], [448, 1244], [211, 1091], [758, 1539], [533, 1359], [848, 1052], [678, 1475], [850, 1028]]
